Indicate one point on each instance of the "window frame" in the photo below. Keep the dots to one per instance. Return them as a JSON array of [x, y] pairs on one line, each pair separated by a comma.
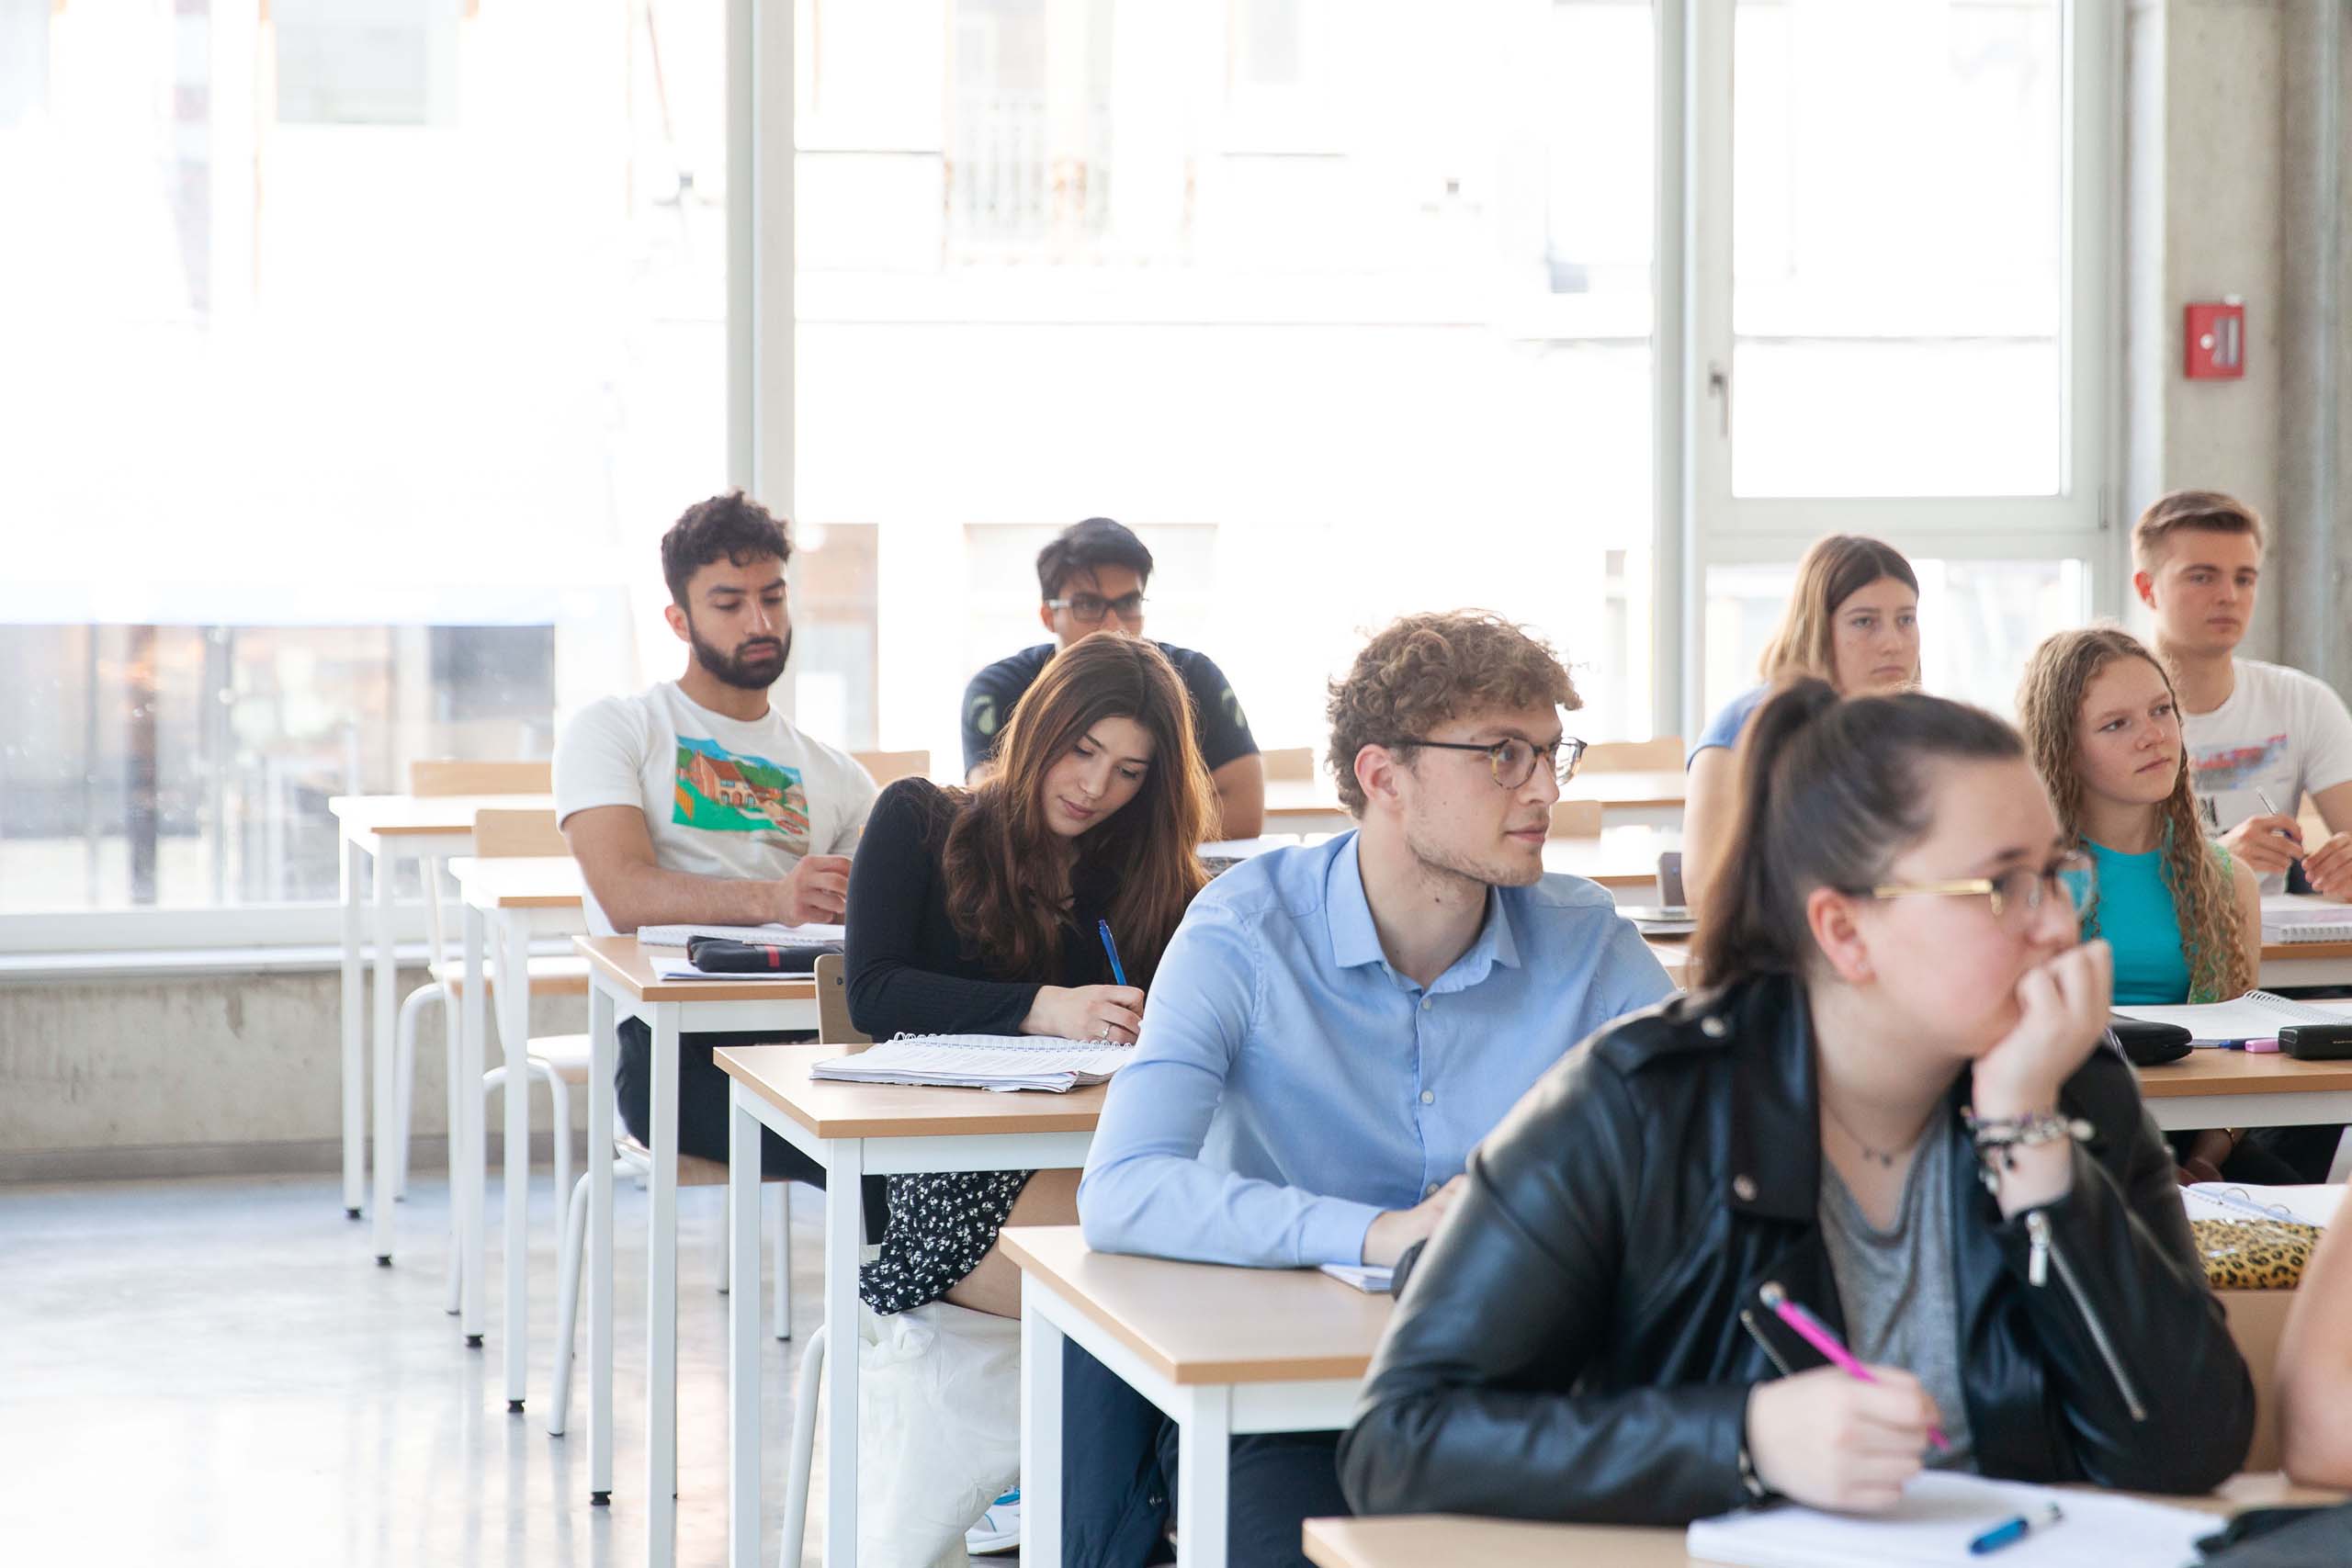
[[1716, 528]]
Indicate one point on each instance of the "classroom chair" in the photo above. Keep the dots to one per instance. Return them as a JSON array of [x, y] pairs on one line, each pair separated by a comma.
[[559, 1061], [834, 1027], [631, 1157], [2257, 1318], [1288, 764], [1663, 755], [889, 767], [443, 777]]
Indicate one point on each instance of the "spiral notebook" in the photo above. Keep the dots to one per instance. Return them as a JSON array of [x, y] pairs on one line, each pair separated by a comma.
[[2290, 917], [980, 1061]]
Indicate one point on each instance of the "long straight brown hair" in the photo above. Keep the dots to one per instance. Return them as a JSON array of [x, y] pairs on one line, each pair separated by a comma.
[[1007, 885], [1834, 569]]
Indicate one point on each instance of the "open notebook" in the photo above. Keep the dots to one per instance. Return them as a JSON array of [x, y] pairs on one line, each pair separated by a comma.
[[769, 935], [1940, 1513], [2291, 918], [980, 1061], [2258, 1015]]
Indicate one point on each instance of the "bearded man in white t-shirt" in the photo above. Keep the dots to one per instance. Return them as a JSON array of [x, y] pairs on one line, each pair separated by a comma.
[[694, 802]]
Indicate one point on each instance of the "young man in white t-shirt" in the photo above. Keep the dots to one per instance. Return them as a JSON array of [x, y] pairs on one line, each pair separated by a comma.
[[694, 802], [2253, 729]]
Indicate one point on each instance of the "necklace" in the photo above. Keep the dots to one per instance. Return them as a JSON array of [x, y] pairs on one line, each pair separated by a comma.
[[1884, 1157]]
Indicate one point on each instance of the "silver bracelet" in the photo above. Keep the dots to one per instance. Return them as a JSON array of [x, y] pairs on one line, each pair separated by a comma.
[[2003, 1135]]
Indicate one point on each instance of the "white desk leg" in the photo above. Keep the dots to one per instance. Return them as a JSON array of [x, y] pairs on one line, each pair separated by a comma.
[[465, 1151], [1041, 1436], [515, 1034], [844, 1229], [603, 1047], [661, 1305], [1204, 1437], [388, 977], [743, 1335], [355, 1059]]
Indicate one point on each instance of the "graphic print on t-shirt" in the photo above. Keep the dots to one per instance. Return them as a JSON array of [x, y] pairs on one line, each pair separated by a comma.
[[718, 790], [2239, 766]]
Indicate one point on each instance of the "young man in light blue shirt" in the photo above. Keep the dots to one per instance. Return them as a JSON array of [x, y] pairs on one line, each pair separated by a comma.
[[1333, 1029]]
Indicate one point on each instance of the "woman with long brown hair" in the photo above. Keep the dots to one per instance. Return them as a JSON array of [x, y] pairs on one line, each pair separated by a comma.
[[2183, 916], [982, 911], [1853, 621]]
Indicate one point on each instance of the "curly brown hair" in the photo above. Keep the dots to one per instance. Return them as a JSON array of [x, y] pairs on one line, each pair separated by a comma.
[[1007, 885], [1420, 671], [2049, 708]]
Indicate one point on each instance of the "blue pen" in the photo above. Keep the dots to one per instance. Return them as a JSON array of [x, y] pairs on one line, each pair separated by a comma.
[[2010, 1531], [1118, 973]]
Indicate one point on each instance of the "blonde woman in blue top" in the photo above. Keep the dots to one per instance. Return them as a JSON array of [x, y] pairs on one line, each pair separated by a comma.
[[2183, 916]]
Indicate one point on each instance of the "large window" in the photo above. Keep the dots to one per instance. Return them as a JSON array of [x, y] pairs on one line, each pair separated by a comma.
[[357, 352], [364, 350], [1900, 318], [1341, 310]]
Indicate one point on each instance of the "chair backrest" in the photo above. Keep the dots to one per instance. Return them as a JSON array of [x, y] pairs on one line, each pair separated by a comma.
[[1661, 755], [444, 775], [834, 1027], [2257, 1320], [1576, 819], [503, 834], [889, 767], [1288, 763]]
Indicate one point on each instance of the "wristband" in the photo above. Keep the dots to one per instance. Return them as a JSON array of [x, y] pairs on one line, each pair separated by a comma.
[[1999, 1137]]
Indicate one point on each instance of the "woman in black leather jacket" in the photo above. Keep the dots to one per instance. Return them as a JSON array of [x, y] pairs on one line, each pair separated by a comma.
[[1895, 988]]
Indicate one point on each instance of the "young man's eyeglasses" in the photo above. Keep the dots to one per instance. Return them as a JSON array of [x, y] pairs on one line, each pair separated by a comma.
[[1513, 760], [1088, 609], [2017, 894]]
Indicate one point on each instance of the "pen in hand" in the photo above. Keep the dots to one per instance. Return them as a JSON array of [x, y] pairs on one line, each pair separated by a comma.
[[1111, 950], [1815, 1333], [2273, 811]]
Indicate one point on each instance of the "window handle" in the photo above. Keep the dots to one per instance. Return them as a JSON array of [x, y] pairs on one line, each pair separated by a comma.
[[1719, 388]]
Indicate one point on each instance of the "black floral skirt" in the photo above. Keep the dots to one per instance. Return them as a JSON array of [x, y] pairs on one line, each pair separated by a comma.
[[941, 1227]]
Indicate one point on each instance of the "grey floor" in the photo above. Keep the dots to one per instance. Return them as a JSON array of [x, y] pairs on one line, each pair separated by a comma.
[[217, 1373]]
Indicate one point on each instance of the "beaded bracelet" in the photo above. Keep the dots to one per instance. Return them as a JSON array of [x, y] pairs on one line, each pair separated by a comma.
[[2003, 1135]]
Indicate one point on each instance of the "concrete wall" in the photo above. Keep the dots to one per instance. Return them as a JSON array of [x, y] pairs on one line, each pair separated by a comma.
[[2205, 217], [222, 1072]]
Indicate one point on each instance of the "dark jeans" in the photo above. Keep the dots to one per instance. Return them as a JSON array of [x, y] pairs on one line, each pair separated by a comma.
[[703, 1109], [1119, 1479], [2271, 1156]]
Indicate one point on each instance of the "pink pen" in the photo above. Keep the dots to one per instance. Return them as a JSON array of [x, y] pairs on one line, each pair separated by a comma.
[[1815, 1333]]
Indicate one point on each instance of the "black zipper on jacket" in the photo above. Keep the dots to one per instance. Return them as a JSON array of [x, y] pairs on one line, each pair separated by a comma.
[[2044, 1251], [1748, 1321]]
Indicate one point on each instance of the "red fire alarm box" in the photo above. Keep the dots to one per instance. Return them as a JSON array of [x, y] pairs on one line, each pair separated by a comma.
[[2216, 338]]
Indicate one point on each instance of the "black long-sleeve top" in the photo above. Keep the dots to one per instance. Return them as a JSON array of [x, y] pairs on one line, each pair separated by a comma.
[[908, 971]]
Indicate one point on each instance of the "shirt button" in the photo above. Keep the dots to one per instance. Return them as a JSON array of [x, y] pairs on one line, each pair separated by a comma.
[[1431, 1190], [1428, 1002], [1429, 1097]]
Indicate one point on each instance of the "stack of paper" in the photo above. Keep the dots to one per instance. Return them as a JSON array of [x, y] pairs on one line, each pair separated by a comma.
[[2304, 916], [980, 1061], [767, 936], [1371, 1278], [2258, 1015], [684, 969], [1940, 1513]]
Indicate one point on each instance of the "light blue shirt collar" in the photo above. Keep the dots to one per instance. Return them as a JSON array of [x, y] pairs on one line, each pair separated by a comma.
[[1355, 941]]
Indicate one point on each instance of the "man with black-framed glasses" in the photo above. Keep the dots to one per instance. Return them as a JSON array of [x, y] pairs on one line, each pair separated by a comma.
[[1333, 1028], [1091, 578]]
